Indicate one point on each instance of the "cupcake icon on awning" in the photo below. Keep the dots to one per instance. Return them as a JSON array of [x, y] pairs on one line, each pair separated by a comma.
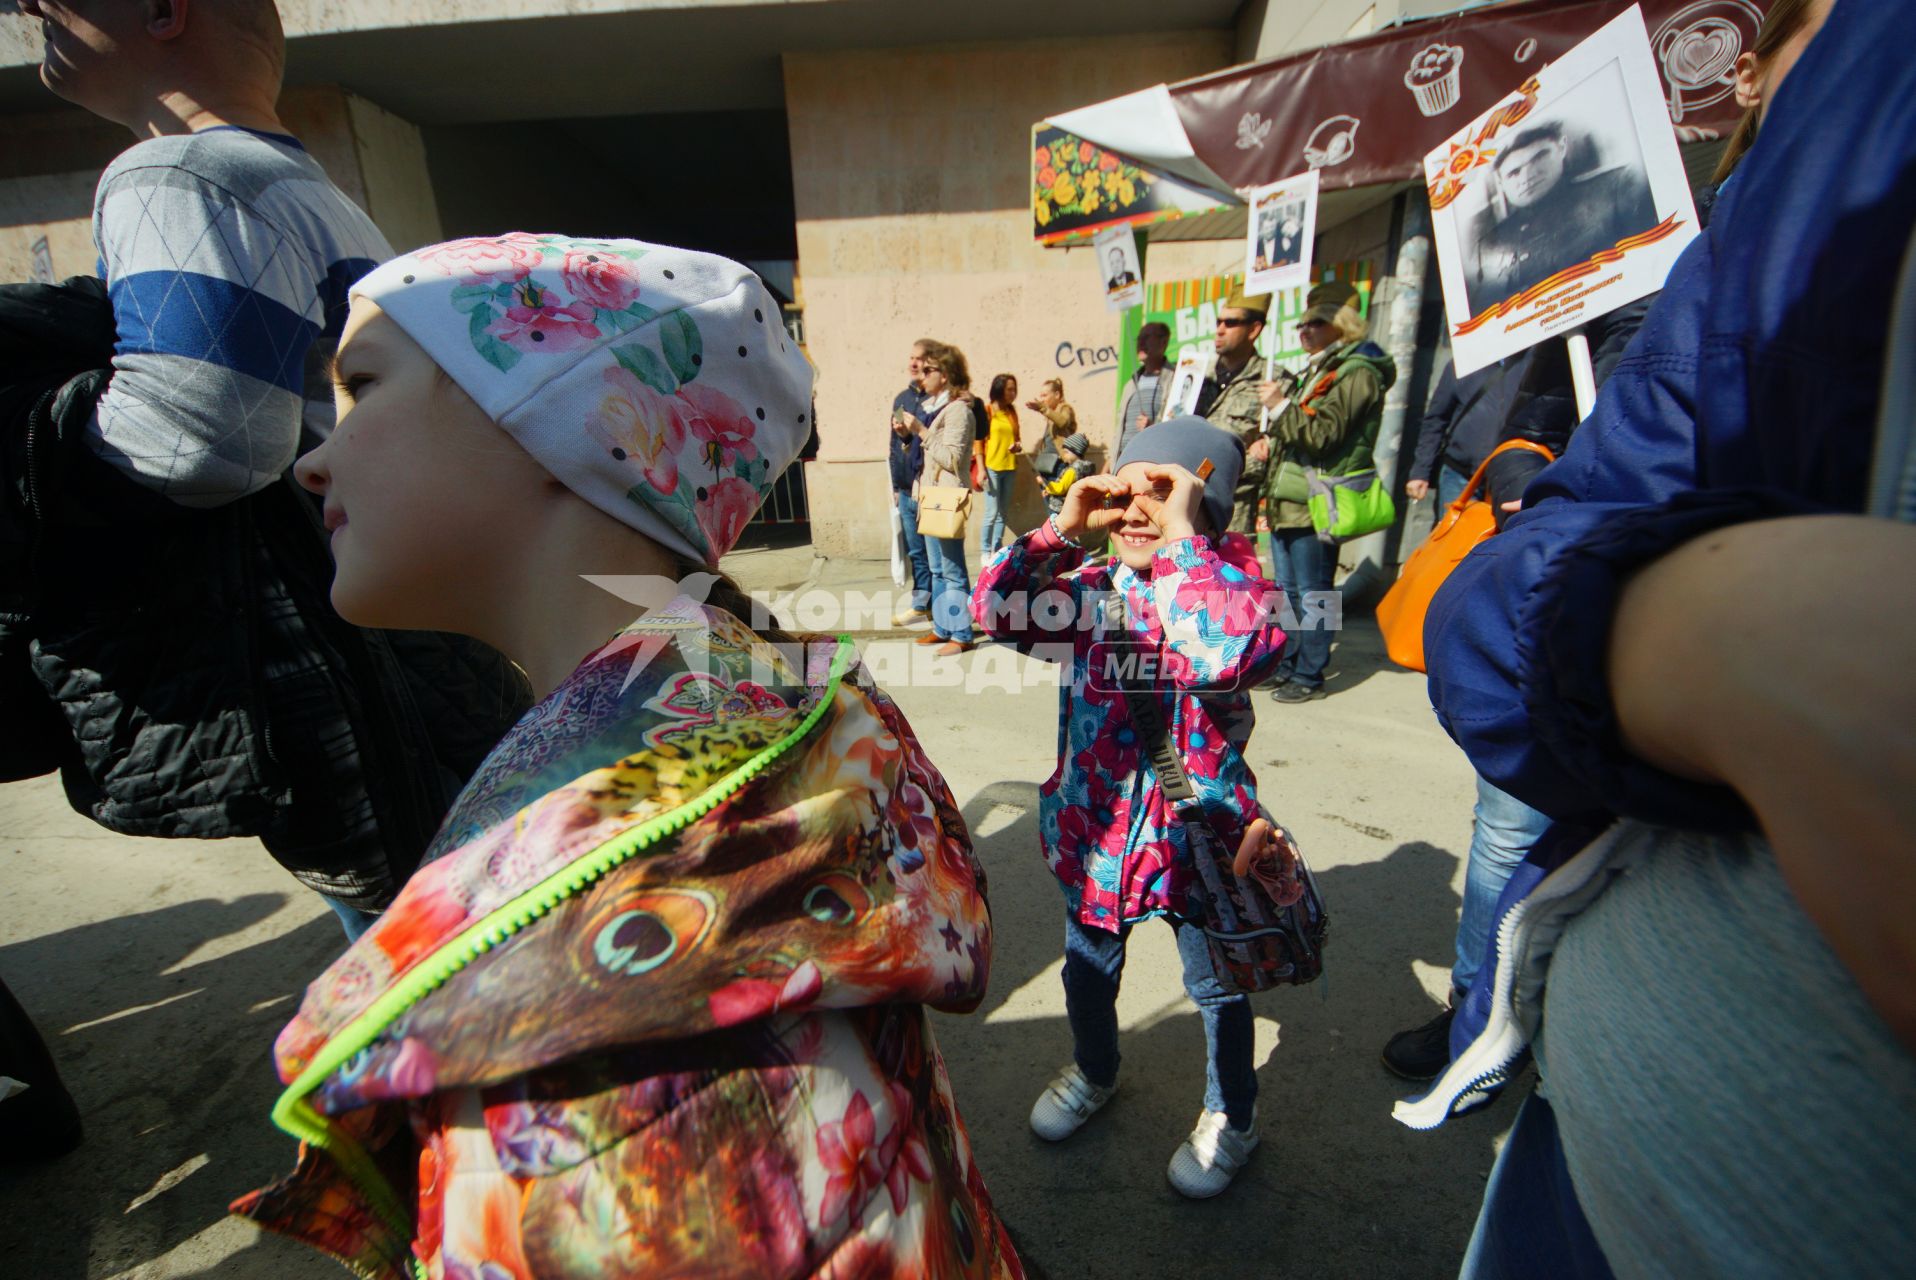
[[1435, 78]]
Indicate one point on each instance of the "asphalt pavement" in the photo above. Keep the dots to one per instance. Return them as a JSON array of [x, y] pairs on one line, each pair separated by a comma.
[[160, 972]]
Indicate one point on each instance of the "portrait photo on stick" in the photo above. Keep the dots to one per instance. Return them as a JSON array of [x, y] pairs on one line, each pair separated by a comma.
[[1564, 201]]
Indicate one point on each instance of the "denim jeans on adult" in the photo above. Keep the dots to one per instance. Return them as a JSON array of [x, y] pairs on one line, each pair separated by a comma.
[[915, 548], [1304, 566], [1531, 1224], [951, 588], [1500, 839], [1450, 485], [351, 919], [997, 502], [1093, 964]]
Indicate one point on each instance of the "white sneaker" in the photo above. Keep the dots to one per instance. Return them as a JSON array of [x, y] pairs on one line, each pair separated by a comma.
[[1211, 1156], [1067, 1103], [911, 618]]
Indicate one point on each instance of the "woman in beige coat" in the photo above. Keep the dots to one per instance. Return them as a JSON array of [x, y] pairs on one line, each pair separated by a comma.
[[947, 382]]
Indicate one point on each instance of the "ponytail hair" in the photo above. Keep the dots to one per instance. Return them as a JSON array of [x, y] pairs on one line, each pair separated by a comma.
[[795, 647], [1740, 139], [1780, 24], [727, 595]]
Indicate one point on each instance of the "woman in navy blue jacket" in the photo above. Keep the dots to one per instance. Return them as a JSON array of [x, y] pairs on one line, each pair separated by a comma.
[[1690, 629]]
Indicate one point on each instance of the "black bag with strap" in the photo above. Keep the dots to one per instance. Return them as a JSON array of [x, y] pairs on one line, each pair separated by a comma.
[[1256, 944]]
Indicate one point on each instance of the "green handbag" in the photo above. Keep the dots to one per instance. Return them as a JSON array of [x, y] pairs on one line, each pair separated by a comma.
[[1344, 507], [1289, 483]]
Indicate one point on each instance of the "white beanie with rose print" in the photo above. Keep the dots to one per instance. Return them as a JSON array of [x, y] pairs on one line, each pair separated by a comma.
[[658, 384]]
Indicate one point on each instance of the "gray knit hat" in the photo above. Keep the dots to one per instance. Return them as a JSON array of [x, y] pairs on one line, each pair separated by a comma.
[[1187, 442]]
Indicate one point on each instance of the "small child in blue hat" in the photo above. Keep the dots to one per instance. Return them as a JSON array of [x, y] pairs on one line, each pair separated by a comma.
[[1192, 597]]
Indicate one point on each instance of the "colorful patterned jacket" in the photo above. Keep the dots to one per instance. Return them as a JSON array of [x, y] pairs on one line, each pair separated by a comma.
[[658, 1007], [1207, 620]]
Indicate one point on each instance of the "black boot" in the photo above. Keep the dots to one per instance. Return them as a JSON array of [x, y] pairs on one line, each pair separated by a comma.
[[39, 1122], [1423, 1052]]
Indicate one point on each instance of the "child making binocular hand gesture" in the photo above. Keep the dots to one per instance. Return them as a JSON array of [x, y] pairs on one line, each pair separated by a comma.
[[1192, 600]]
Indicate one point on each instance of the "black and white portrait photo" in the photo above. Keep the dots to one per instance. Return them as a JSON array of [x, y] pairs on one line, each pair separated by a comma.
[[1195, 363], [1280, 235], [1565, 199], [1279, 225], [1118, 266], [1561, 188]]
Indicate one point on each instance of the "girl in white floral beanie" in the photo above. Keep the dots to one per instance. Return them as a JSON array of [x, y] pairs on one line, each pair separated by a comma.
[[656, 1002]]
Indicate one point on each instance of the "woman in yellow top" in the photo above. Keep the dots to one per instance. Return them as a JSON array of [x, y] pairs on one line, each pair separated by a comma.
[[1001, 459]]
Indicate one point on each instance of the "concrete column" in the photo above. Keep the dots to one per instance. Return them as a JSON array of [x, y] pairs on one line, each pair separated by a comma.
[[48, 169], [392, 168]]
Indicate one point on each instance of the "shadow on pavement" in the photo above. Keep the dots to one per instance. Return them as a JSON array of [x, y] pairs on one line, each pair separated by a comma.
[[1357, 655], [1309, 1202], [172, 1070]]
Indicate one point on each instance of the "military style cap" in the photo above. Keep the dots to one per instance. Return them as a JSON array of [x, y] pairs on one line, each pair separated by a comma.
[[1258, 304], [1325, 300]]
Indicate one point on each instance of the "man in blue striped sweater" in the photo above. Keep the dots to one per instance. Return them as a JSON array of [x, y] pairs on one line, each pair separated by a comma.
[[226, 250], [227, 254]]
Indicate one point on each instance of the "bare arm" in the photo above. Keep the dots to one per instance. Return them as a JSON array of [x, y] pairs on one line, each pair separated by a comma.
[[1828, 763]]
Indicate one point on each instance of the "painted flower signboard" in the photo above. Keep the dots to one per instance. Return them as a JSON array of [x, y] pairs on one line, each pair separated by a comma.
[[1078, 187]]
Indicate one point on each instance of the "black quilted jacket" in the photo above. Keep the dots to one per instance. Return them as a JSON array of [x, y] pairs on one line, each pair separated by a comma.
[[184, 670]]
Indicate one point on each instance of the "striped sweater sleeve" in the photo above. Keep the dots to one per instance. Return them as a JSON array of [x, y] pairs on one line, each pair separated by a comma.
[[215, 310]]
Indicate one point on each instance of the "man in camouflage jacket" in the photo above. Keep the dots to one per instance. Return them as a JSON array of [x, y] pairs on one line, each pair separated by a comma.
[[1229, 399]]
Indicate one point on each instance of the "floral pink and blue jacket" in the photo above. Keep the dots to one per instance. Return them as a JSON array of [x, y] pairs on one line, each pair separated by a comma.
[[658, 1007], [1205, 616]]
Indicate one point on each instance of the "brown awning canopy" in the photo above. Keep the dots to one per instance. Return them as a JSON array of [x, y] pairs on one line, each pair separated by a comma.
[[1362, 113], [1368, 110]]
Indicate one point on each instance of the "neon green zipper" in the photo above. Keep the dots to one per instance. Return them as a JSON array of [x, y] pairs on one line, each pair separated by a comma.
[[296, 1116]]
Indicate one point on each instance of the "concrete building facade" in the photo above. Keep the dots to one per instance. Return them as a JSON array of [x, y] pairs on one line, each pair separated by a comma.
[[869, 158]]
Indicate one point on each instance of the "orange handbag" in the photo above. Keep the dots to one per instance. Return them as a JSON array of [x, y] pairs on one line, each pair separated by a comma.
[[1466, 522]]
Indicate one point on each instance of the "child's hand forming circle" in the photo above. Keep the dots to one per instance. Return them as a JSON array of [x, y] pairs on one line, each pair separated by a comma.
[[1087, 505], [1174, 512]]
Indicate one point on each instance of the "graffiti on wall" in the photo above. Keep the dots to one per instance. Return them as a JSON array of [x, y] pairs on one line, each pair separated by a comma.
[[1086, 360]]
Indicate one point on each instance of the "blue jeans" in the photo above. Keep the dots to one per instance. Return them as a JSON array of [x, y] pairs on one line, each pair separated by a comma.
[[1303, 564], [1531, 1224], [997, 502], [951, 589], [1450, 485], [915, 548], [351, 919], [1093, 963], [1500, 839]]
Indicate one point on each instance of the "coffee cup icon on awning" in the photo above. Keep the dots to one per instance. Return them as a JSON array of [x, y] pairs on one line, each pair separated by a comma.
[[1697, 47], [1332, 142]]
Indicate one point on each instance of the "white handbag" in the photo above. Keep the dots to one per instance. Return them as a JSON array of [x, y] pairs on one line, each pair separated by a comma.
[[900, 565]]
